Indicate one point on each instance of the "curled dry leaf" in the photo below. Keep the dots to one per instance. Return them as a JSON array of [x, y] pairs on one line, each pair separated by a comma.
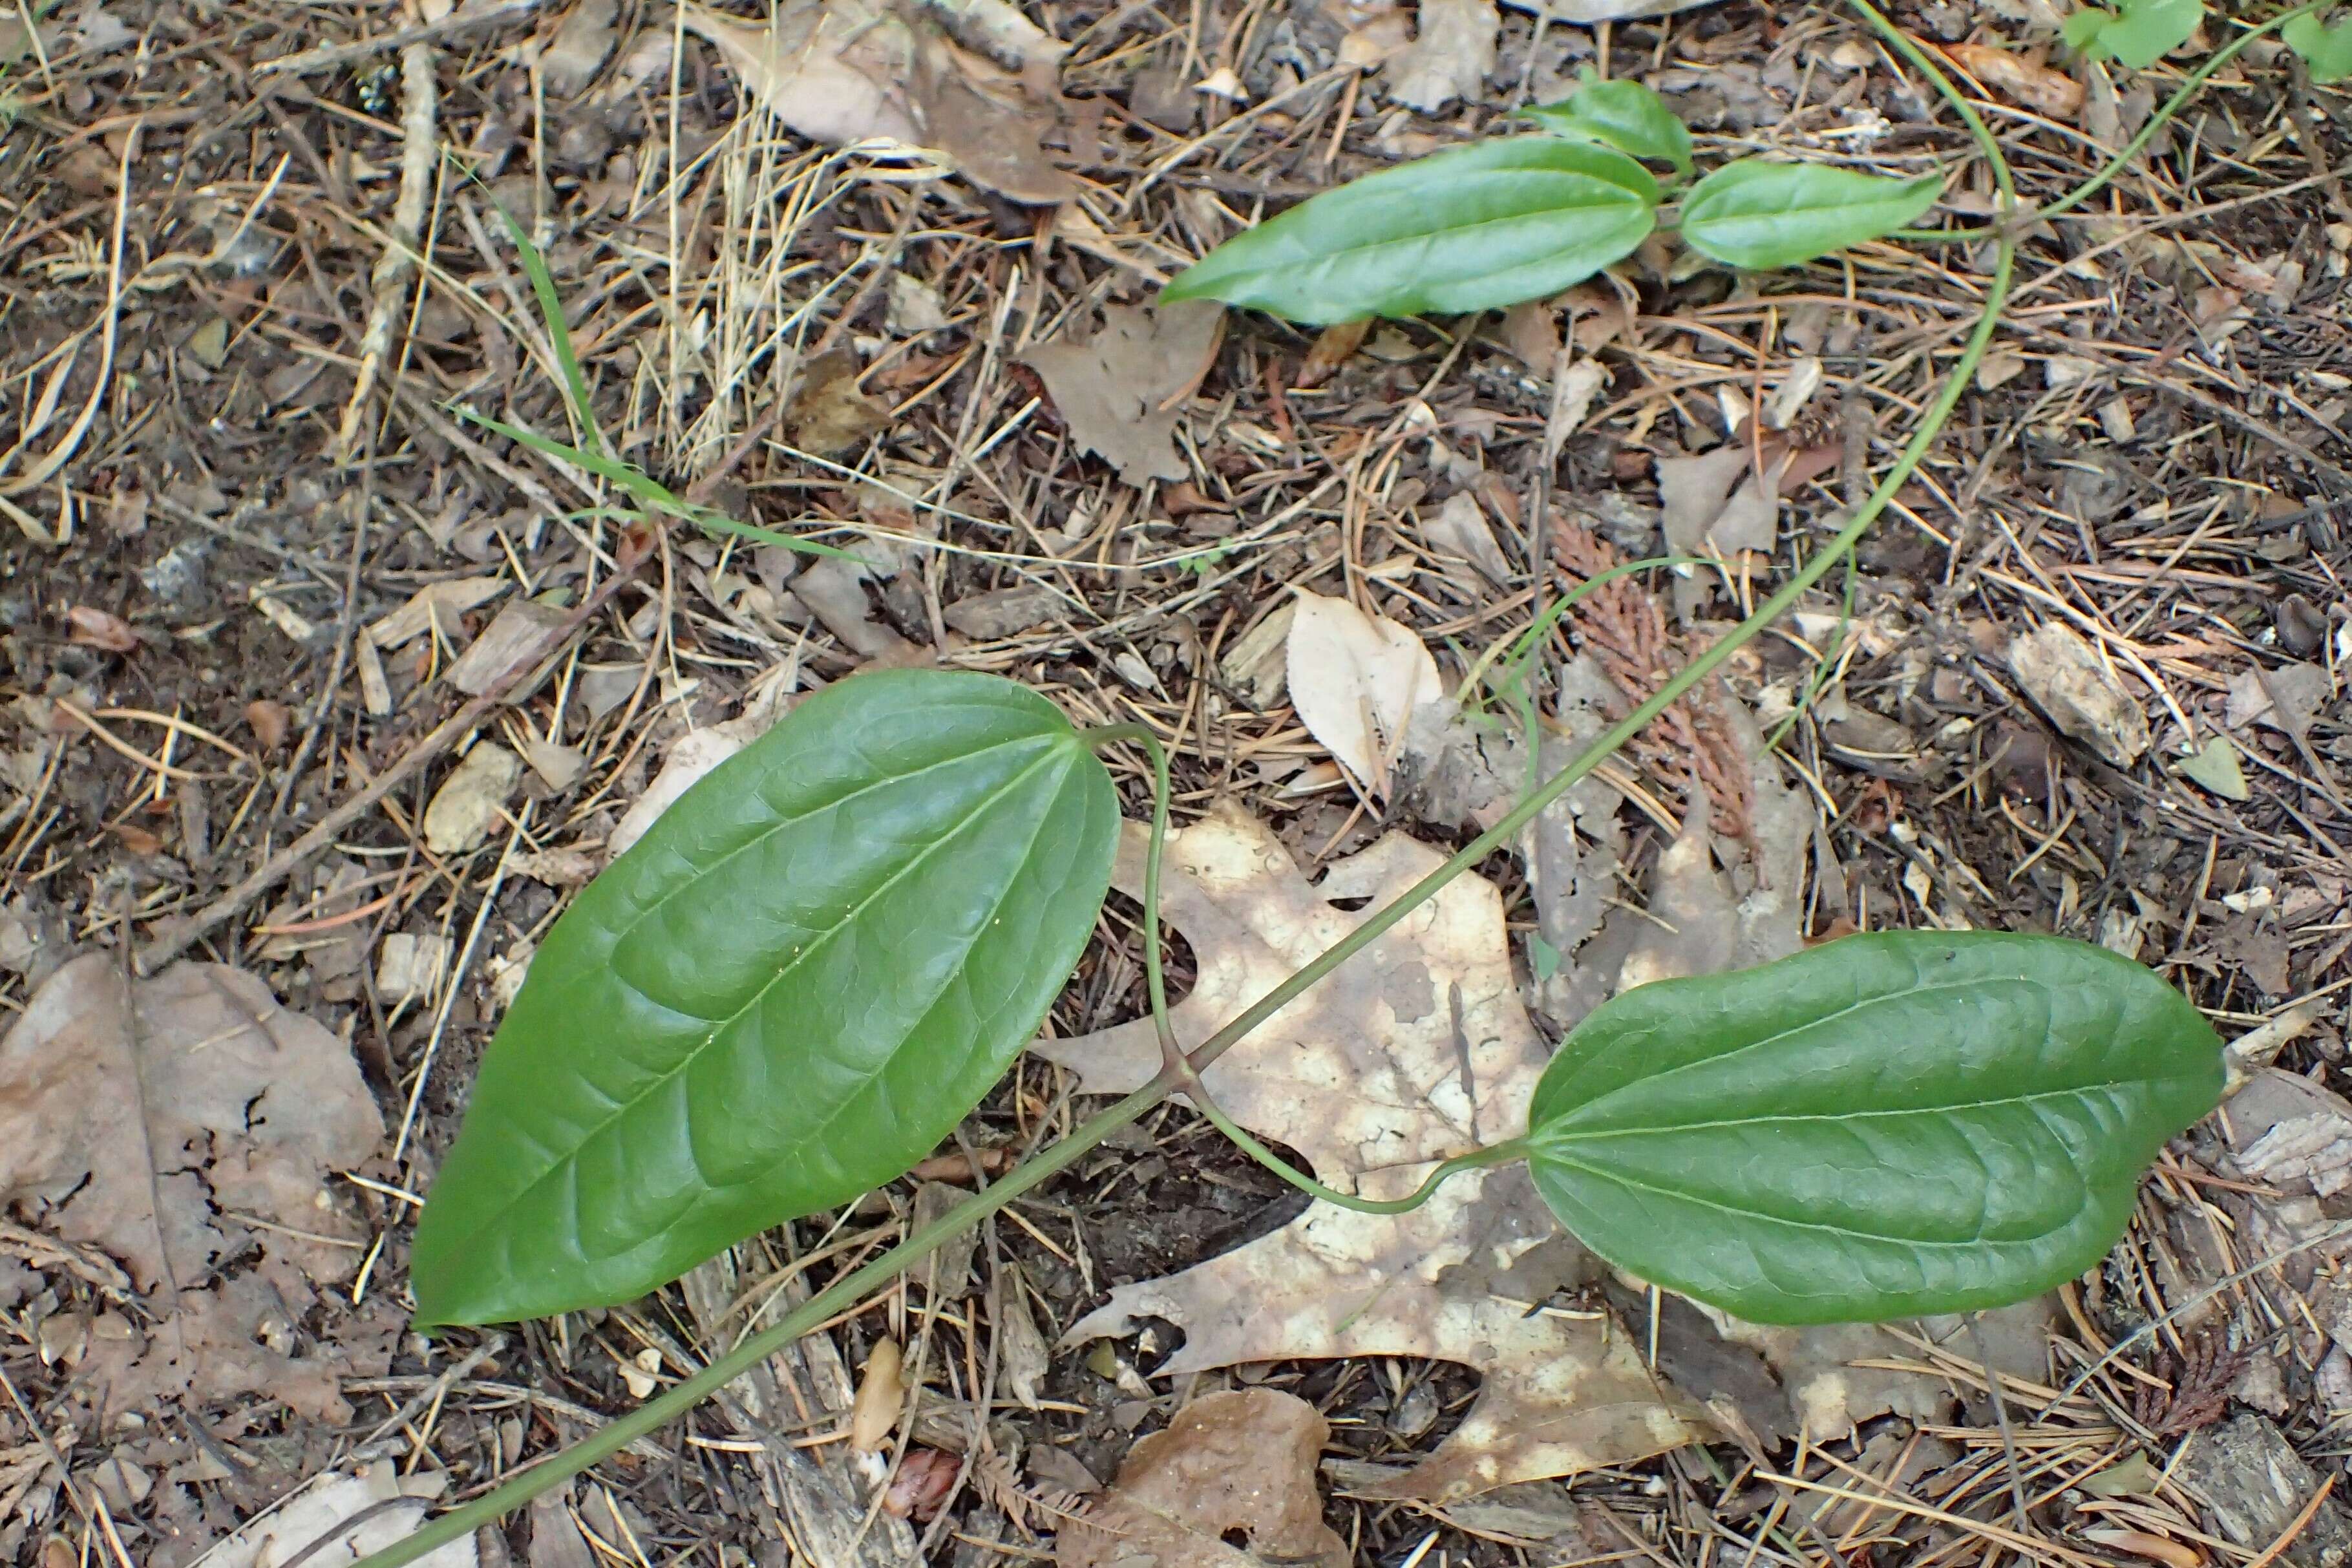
[[691, 757], [2071, 684], [881, 1394], [845, 71], [1238, 1462], [926, 1479], [268, 722], [91, 627], [2286, 698], [1357, 681], [190, 1128], [2021, 80], [1122, 389]]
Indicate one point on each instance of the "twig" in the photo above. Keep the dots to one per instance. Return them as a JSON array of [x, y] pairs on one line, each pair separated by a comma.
[[175, 941], [2295, 1526], [465, 19], [419, 107]]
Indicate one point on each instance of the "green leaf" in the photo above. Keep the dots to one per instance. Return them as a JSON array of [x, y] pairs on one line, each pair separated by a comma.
[[2327, 51], [1620, 115], [2215, 767], [1887, 1125], [2137, 32], [1753, 214], [809, 969], [1471, 229]]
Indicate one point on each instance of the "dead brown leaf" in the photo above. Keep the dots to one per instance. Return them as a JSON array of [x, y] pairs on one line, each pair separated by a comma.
[[1238, 1461], [2021, 80], [829, 416], [1415, 1052], [1122, 390], [91, 627], [2069, 681], [192, 1129], [2286, 698], [1451, 53], [1356, 680], [845, 71], [268, 722], [1334, 346]]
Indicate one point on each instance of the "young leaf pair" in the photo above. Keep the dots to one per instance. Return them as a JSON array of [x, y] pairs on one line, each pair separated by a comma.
[[2138, 33], [1499, 222], [823, 957]]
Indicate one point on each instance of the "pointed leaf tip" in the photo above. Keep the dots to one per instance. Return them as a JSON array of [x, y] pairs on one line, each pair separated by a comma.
[[1883, 1126]]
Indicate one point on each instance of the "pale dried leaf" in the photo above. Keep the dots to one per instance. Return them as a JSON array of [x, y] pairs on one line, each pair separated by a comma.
[[192, 1129], [2069, 682], [1371, 1080], [2021, 80], [1356, 680], [1459, 529], [578, 50], [693, 755], [2286, 698], [1238, 1461], [1122, 390], [845, 71], [1450, 57], [1572, 401], [471, 800], [1712, 504], [345, 1518]]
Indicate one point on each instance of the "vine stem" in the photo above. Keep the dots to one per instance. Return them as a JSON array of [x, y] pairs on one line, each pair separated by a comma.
[[846, 1293]]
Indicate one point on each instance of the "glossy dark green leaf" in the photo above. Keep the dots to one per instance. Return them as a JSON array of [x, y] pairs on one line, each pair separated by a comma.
[[1754, 214], [2136, 33], [1883, 1126], [785, 995], [1471, 229], [1620, 115]]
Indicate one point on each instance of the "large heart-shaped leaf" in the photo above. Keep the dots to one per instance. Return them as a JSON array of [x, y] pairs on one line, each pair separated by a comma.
[[1471, 229], [808, 971], [1754, 214], [1888, 1125]]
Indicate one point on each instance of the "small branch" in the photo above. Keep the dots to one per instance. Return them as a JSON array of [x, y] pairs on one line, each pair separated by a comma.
[[420, 101], [468, 18]]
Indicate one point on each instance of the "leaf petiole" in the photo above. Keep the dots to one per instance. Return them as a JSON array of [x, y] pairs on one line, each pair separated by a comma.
[[1478, 1159]]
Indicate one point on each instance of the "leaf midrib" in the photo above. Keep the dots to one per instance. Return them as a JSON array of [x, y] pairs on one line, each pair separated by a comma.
[[1760, 1216], [693, 1054], [1633, 203], [781, 823], [1596, 1135], [1919, 986], [1779, 215]]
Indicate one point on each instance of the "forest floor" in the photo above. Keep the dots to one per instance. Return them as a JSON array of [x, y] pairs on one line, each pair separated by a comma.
[[307, 741]]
